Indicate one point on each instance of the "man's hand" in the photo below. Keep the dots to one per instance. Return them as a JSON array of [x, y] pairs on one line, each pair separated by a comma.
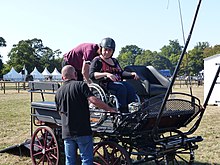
[[88, 81], [100, 104]]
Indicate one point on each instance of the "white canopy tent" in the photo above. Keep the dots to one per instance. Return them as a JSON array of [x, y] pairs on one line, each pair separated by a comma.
[[46, 73], [37, 75], [13, 75], [56, 74]]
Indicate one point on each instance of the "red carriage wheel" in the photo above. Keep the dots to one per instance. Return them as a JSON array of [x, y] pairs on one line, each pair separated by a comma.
[[44, 147], [110, 153]]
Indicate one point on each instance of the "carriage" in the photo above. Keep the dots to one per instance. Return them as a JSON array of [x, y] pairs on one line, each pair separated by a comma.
[[159, 130], [149, 133]]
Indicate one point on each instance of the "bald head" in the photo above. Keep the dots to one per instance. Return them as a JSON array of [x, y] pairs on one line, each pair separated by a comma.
[[68, 72]]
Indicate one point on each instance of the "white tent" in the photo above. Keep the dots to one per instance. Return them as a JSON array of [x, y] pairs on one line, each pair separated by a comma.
[[37, 75], [56, 74], [12, 75], [46, 73]]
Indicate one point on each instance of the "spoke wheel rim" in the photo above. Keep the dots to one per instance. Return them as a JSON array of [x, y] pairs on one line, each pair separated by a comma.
[[44, 147], [110, 153]]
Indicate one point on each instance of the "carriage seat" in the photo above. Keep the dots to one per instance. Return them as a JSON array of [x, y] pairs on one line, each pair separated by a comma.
[[151, 82], [48, 105], [45, 111]]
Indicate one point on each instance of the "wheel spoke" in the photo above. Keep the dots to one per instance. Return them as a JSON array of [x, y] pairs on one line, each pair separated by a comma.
[[38, 146], [37, 154], [38, 140], [100, 156], [41, 160], [48, 159]]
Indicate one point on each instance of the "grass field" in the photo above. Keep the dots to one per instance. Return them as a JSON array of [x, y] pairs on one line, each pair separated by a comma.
[[15, 127]]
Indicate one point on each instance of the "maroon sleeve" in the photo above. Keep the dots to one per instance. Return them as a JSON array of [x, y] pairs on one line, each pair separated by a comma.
[[89, 52]]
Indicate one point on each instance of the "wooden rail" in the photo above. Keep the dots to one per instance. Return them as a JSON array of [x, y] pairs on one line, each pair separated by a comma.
[[15, 85]]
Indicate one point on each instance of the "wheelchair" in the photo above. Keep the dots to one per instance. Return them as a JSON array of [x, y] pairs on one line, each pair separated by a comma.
[[107, 96], [150, 85]]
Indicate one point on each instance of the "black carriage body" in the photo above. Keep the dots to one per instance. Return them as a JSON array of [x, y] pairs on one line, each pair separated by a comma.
[[145, 141], [129, 138]]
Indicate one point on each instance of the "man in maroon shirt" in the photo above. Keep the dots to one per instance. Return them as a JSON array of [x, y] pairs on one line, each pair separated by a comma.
[[80, 57]]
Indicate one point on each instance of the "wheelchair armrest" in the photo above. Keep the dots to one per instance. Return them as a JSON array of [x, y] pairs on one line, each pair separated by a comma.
[[98, 81]]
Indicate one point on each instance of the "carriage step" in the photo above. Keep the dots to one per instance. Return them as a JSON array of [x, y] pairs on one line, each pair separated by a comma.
[[185, 140]]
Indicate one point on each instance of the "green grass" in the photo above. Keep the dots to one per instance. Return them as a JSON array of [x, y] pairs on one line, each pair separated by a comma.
[[15, 127], [14, 124]]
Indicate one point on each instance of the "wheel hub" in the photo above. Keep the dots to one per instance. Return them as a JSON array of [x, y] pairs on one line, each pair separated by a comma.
[[43, 151]]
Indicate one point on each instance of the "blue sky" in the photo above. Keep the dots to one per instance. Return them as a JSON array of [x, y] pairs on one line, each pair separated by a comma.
[[149, 24]]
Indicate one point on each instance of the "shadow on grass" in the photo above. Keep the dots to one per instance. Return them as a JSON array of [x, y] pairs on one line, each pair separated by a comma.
[[19, 150]]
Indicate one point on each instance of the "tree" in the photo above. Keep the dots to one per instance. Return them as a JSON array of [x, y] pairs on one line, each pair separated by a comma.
[[154, 59], [129, 53], [172, 52], [210, 51], [173, 48], [24, 53], [2, 44], [32, 53], [144, 58], [124, 59], [195, 58], [50, 59]]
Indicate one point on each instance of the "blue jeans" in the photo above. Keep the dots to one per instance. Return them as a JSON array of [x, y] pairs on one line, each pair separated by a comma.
[[125, 93], [85, 144]]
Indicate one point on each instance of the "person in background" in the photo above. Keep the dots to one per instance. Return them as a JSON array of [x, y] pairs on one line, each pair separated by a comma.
[[105, 66], [80, 58], [72, 103]]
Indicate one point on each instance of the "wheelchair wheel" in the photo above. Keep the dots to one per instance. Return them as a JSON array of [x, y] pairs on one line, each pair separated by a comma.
[[97, 116]]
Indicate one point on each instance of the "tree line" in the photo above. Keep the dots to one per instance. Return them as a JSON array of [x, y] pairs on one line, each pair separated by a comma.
[[32, 53]]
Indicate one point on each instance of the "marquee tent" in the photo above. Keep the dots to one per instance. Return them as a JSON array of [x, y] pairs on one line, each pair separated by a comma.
[[56, 74], [46, 73], [13, 75], [37, 75]]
